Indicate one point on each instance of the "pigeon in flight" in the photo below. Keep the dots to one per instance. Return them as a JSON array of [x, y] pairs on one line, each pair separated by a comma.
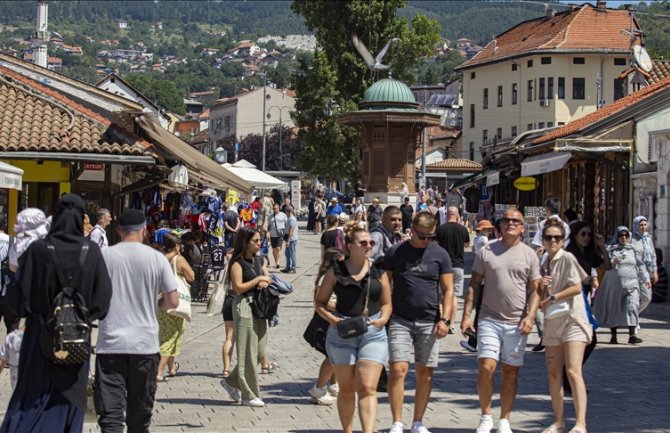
[[375, 64]]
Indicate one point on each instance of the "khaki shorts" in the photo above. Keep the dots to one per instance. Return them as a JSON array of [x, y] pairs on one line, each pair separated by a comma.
[[563, 329]]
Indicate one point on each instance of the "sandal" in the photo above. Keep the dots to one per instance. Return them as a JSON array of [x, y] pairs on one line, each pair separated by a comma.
[[554, 429], [226, 373], [578, 429], [270, 368], [176, 369]]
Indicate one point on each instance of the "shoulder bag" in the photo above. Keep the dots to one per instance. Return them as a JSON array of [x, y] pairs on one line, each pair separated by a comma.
[[183, 309], [358, 325]]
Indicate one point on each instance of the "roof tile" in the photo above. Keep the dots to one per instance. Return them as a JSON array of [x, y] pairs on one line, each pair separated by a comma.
[[455, 164]]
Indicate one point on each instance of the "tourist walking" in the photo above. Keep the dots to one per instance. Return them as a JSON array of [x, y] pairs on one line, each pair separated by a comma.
[[170, 327], [454, 238], [407, 214], [292, 242], [320, 211], [362, 290], [567, 330], [423, 292], [278, 224], [617, 301], [507, 312], [51, 397], [642, 236], [374, 214], [127, 350], [329, 235], [247, 273], [98, 233], [387, 234]]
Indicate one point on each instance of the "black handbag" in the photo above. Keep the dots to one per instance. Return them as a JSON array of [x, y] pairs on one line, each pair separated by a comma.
[[315, 333], [354, 326]]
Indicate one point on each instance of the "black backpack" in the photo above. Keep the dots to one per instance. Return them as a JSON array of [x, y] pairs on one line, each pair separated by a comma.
[[66, 336]]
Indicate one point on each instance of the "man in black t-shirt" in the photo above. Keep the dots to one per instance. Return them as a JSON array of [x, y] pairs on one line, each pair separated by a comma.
[[231, 225], [375, 213], [454, 238], [422, 300], [407, 214]]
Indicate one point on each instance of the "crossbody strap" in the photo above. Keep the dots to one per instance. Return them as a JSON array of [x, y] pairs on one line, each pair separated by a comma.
[[367, 290]]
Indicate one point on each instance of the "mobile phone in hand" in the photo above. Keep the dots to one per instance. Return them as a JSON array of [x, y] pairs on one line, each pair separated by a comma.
[[470, 333]]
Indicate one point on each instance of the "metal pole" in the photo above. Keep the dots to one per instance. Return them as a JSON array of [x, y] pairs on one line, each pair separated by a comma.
[[265, 82], [281, 132], [423, 159]]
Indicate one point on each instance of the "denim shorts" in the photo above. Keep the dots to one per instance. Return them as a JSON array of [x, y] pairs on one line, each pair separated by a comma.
[[501, 341], [405, 335], [371, 346]]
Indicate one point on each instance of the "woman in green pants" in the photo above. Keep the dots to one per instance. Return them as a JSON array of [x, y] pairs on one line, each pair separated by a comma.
[[247, 272]]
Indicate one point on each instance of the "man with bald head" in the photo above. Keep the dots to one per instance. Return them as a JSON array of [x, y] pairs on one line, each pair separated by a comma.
[[454, 237], [512, 273]]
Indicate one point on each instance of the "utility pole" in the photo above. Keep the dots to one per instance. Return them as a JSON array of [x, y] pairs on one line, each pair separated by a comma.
[[265, 83], [281, 132]]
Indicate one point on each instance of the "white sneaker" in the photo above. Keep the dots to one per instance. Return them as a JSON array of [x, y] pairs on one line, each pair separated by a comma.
[[418, 427], [233, 392], [254, 402], [321, 396], [334, 389], [504, 427], [485, 424], [397, 427]]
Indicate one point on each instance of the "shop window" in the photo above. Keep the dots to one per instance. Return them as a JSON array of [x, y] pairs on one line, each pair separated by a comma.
[[578, 88]]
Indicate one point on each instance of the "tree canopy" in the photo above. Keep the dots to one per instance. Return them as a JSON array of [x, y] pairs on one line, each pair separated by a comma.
[[337, 76]]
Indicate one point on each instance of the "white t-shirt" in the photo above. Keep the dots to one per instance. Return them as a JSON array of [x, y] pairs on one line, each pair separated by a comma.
[[10, 351], [99, 236], [138, 273]]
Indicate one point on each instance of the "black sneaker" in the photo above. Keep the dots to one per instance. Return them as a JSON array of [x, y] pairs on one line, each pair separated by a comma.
[[538, 348], [613, 340], [634, 339], [285, 271]]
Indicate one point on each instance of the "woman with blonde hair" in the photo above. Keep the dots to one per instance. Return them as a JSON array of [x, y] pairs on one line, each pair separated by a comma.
[[567, 329], [171, 328]]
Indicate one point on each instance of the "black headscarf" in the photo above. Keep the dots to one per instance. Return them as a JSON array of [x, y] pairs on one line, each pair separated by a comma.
[[39, 286]]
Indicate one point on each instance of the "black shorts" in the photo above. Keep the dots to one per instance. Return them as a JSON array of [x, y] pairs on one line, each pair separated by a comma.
[[228, 307], [276, 242]]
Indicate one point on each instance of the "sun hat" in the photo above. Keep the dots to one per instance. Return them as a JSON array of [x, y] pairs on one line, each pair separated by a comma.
[[343, 218], [483, 225]]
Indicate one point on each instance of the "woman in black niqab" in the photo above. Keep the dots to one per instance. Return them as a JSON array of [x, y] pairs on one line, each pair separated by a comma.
[[50, 397]]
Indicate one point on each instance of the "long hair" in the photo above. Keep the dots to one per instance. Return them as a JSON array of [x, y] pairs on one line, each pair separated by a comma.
[[241, 243], [574, 231], [329, 257], [169, 242]]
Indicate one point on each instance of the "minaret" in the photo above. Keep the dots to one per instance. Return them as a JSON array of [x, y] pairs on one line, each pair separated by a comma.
[[41, 35]]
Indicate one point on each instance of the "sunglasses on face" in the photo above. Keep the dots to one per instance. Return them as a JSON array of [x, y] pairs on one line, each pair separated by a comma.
[[552, 238], [424, 237], [514, 221], [585, 234], [366, 243]]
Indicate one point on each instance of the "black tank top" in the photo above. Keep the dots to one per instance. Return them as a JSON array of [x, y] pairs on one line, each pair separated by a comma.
[[351, 293], [250, 270]]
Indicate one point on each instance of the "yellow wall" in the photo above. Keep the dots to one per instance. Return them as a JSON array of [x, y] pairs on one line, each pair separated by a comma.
[[48, 171]]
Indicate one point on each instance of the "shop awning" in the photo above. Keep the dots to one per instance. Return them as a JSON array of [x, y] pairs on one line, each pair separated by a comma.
[[10, 176], [199, 166], [251, 174], [473, 178], [544, 163]]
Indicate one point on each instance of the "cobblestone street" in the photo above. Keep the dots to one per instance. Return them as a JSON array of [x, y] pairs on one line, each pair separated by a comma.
[[628, 385]]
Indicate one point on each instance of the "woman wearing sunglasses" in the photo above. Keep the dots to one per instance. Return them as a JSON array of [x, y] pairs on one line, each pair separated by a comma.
[[567, 330], [357, 361], [618, 298]]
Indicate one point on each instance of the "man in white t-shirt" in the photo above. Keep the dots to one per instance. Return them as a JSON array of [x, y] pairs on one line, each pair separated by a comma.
[[511, 270], [99, 232], [127, 348]]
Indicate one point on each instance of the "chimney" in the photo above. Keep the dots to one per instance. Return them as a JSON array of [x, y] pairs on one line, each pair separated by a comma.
[[600, 4], [550, 13]]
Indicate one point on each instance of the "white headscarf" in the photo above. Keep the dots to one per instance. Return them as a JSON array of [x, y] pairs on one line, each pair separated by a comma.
[[31, 225]]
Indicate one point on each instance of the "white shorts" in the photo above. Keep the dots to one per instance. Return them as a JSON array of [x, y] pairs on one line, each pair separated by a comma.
[[500, 341], [458, 282]]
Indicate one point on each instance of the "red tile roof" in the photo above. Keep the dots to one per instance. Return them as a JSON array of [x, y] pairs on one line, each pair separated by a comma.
[[627, 101], [454, 164], [37, 118], [660, 70], [585, 28]]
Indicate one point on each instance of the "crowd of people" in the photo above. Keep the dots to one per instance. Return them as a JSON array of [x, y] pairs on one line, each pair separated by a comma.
[[385, 295]]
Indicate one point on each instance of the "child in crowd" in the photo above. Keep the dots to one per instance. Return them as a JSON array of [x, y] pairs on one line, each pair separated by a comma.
[[9, 353]]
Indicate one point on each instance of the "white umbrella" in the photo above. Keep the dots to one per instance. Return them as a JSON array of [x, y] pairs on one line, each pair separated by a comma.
[[252, 175], [10, 176]]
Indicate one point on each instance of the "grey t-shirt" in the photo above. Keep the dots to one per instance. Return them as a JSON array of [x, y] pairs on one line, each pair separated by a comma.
[[138, 274], [278, 222], [507, 271]]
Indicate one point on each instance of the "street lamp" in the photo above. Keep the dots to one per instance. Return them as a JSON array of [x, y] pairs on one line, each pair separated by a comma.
[[281, 132], [265, 98]]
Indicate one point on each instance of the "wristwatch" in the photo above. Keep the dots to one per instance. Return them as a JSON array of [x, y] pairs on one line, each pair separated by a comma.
[[552, 298], [446, 321]]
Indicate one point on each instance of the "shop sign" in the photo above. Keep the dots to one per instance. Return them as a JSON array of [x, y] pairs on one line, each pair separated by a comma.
[[525, 183], [94, 166]]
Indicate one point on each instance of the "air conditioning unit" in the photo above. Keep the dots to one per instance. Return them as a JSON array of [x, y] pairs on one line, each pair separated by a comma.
[[545, 102]]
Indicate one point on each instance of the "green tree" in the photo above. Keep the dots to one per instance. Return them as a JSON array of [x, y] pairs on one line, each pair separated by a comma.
[[161, 92], [337, 77]]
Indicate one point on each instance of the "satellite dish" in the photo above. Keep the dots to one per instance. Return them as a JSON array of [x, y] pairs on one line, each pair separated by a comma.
[[642, 58]]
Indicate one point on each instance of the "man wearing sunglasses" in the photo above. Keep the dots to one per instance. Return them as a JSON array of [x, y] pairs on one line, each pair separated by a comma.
[[422, 300], [512, 272]]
